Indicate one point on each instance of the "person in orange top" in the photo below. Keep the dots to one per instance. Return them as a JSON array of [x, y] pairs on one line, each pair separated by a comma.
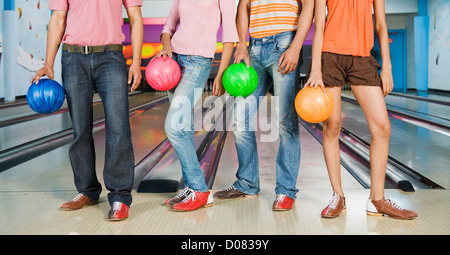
[[341, 55]]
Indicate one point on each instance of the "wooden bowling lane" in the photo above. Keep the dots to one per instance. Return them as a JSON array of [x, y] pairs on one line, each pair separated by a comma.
[[16, 121], [52, 170], [25, 144], [420, 145], [243, 216], [160, 171]]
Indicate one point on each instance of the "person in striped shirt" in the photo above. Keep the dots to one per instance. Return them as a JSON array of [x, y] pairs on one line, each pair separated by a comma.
[[277, 30]]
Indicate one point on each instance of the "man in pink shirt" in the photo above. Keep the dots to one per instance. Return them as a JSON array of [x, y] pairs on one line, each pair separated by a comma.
[[92, 38]]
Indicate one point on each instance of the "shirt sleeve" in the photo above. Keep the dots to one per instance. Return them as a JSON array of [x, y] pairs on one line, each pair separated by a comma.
[[172, 21], [58, 5], [228, 12], [132, 3]]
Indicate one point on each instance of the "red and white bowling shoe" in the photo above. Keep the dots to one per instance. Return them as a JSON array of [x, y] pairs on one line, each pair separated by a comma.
[[282, 203], [194, 201], [335, 207], [119, 211], [178, 198]]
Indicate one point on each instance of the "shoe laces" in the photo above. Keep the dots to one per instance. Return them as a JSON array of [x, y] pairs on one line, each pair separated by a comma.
[[393, 204], [116, 206], [280, 198], [77, 197], [230, 188], [190, 197], [334, 201], [184, 192]]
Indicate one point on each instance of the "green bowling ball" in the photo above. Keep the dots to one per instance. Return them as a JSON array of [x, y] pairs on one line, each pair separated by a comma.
[[238, 80]]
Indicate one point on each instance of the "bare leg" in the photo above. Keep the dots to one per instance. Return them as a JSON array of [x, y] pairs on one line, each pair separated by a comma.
[[331, 130], [371, 100]]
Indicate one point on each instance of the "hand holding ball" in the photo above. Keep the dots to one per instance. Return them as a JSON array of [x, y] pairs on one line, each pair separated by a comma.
[[240, 80], [162, 74], [46, 96], [313, 105]]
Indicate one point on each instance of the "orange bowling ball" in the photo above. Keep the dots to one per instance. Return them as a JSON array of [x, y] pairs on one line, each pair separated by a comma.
[[312, 105]]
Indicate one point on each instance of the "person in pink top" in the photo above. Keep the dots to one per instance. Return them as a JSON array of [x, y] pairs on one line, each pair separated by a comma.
[[91, 33], [190, 36]]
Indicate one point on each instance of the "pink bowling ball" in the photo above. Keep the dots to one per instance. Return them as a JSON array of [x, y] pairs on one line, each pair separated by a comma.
[[162, 74]]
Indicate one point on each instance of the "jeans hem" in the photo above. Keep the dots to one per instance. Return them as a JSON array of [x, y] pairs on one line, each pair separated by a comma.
[[251, 192]]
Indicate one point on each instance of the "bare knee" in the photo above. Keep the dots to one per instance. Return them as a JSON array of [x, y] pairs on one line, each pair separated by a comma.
[[382, 130], [331, 129]]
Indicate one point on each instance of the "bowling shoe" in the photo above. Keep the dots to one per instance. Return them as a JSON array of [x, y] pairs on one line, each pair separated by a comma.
[[178, 198], [78, 202], [386, 207], [231, 192], [335, 207], [194, 201], [282, 203], [119, 211]]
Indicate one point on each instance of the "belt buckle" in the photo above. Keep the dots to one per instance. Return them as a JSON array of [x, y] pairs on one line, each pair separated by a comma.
[[86, 49]]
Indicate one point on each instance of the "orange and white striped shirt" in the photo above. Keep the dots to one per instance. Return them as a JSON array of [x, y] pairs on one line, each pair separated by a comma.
[[269, 17]]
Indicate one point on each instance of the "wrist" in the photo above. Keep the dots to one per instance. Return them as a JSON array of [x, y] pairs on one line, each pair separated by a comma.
[[241, 45], [48, 65], [387, 67], [135, 63], [296, 48], [316, 69]]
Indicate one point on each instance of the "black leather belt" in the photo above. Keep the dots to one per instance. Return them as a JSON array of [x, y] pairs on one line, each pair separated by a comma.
[[85, 49]]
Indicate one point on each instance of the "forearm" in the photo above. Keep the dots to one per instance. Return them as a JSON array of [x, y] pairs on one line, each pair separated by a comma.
[[166, 40], [137, 34], [56, 28], [304, 24], [381, 29], [316, 53], [383, 40], [242, 22], [226, 56], [319, 27]]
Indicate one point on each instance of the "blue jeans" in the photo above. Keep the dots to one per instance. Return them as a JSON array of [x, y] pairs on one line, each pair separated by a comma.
[[179, 126], [264, 55], [108, 71]]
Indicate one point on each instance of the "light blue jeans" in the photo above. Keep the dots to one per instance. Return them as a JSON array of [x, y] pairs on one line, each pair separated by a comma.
[[264, 56], [179, 126]]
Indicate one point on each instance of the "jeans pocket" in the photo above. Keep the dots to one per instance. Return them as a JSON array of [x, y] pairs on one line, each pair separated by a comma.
[[66, 57], [117, 55], [283, 41], [282, 46], [195, 68]]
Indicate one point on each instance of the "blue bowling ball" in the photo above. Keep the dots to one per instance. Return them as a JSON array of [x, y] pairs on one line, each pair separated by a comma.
[[45, 97]]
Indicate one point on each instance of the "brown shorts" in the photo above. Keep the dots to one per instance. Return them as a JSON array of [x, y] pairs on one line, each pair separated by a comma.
[[338, 70]]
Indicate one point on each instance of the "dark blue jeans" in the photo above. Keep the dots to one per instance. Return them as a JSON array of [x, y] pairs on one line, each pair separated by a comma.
[[108, 72]]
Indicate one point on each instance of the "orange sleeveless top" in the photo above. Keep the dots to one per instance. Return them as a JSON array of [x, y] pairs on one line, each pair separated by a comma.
[[349, 27]]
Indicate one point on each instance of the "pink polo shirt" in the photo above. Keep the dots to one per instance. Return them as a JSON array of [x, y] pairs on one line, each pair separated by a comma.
[[93, 22], [199, 21]]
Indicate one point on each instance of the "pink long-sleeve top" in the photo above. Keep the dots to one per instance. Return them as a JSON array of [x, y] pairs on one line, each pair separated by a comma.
[[193, 25]]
